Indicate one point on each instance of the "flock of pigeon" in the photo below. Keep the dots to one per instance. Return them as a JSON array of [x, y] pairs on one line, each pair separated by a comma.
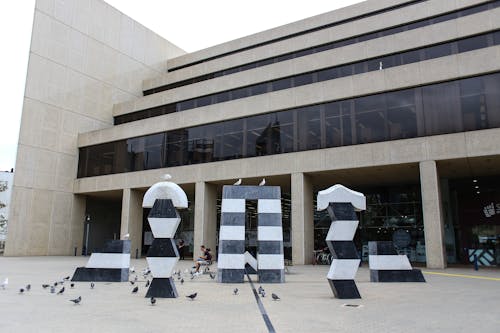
[[145, 273], [51, 288]]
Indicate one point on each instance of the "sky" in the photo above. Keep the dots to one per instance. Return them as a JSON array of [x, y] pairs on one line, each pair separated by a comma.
[[190, 24]]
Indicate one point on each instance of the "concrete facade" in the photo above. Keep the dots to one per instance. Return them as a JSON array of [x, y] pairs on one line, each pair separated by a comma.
[[424, 160], [85, 56]]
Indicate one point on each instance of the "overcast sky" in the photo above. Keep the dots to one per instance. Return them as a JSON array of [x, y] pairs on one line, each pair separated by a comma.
[[190, 24]]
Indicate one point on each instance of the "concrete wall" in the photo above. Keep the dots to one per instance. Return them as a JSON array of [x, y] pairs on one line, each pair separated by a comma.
[[84, 57]]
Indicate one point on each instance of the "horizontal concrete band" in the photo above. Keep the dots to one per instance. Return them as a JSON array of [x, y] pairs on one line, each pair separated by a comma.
[[389, 262], [162, 267], [342, 230], [270, 261], [109, 260], [231, 261], [164, 227], [232, 232], [233, 206], [251, 192], [269, 206], [343, 269], [269, 233]]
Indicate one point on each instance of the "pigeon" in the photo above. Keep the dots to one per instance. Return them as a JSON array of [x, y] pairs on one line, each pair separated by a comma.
[[153, 301], [28, 287], [260, 290], [60, 292], [76, 300], [72, 285], [135, 290], [136, 278], [92, 285], [235, 291], [192, 296], [262, 182], [263, 293], [212, 276], [52, 289], [66, 278], [275, 297], [132, 269], [132, 282], [182, 280], [55, 284], [5, 283], [45, 286], [21, 291], [238, 182], [147, 284]]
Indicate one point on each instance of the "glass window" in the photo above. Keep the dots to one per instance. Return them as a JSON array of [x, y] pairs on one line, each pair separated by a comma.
[[441, 108], [258, 135], [309, 128], [472, 43], [303, 79], [437, 51], [281, 84], [327, 74], [232, 139]]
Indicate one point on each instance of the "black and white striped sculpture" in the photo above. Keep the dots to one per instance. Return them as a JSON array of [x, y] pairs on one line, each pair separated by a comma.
[[341, 204], [163, 198], [270, 257], [387, 266], [112, 264]]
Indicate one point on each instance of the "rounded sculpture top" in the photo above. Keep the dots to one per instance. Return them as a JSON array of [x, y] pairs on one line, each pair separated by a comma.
[[340, 193], [165, 190]]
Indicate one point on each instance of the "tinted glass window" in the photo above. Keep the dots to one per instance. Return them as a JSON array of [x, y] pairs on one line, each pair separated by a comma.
[[472, 43]]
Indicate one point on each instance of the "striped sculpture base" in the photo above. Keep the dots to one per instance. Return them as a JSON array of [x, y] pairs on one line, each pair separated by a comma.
[[110, 265], [387, 266]]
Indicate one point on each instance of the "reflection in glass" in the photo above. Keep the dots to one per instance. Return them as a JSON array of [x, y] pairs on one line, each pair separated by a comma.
[[449, 107]]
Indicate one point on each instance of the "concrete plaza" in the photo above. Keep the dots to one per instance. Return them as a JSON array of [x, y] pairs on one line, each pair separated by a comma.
[[452, 300]]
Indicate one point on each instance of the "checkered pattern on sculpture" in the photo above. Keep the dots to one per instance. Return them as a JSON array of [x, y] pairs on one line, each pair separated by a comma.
[[270, 259], [164, 220], [341, 204]]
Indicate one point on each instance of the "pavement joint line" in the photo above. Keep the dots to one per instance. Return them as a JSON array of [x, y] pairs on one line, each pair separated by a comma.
[[464, 276], [269, 325]]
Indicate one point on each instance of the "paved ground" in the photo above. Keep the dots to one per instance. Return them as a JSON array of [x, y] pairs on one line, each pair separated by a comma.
[[446, 303]]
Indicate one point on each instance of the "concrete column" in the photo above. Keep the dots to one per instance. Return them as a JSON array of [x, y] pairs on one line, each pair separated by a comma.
[[205, 216], [302, 219], [132, 218], [433, 215], [77, 222]]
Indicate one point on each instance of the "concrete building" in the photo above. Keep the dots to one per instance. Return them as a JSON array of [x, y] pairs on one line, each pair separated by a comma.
[[397, 99]]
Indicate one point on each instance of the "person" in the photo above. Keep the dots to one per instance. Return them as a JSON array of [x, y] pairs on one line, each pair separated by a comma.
[[204, 257], [180, 247]]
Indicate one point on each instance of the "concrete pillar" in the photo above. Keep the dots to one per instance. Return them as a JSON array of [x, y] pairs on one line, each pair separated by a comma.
[[433, 215], [132, 218], [302, 219], [205, 217], [77, 223]]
